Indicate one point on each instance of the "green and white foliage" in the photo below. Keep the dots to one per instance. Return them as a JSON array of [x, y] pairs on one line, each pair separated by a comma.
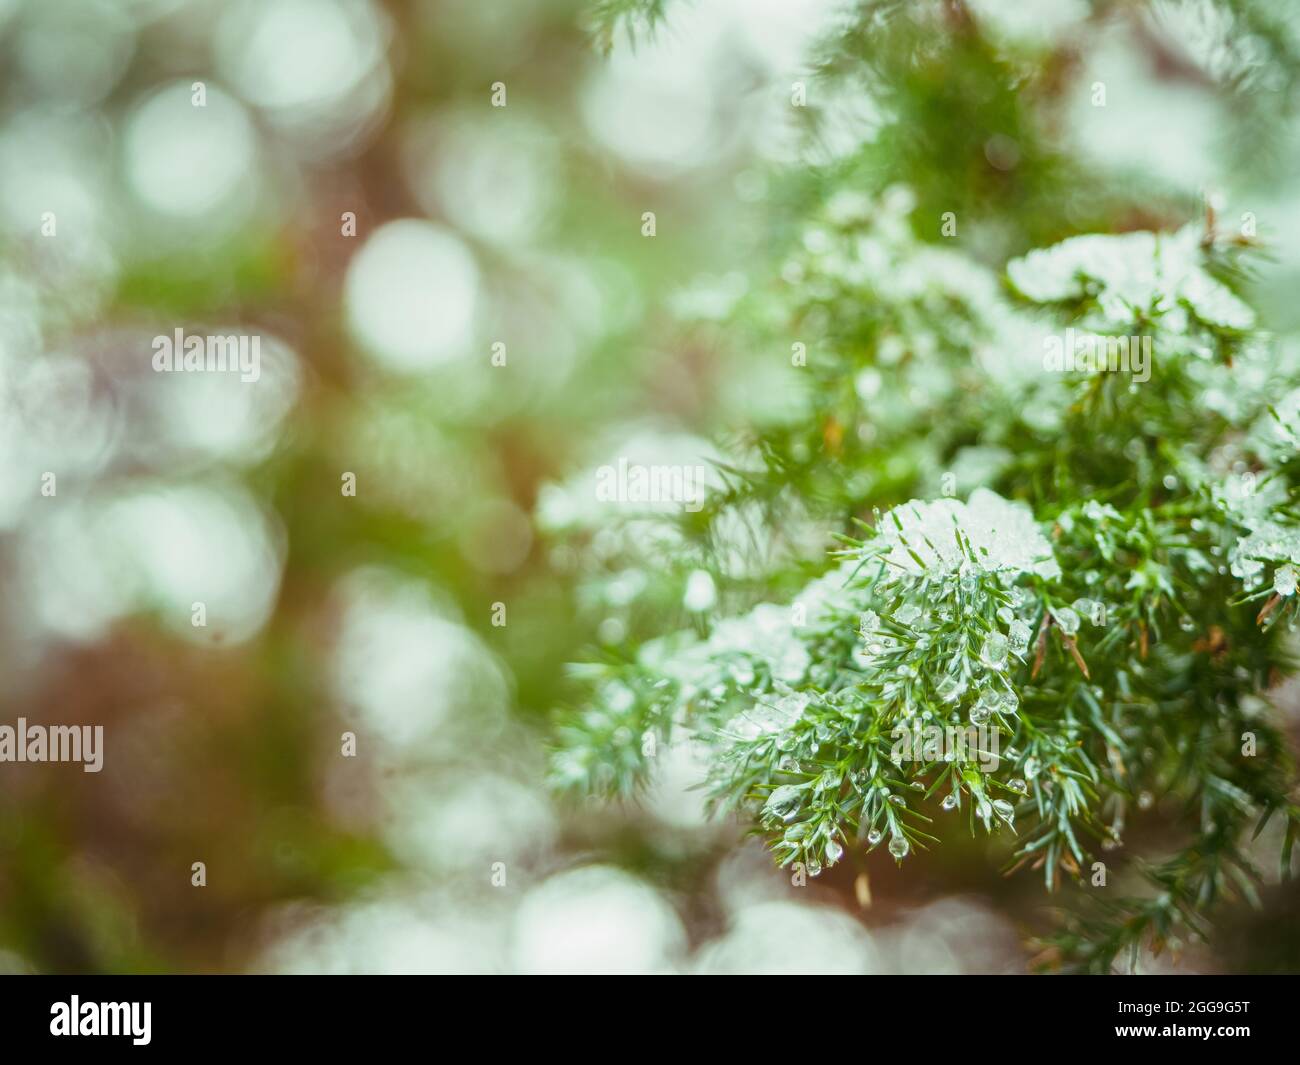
[[1042, 661], [1074, 584]]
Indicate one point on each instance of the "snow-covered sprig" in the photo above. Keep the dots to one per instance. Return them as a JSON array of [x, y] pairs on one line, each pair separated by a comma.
[[948, 538], [941, 630], [1262, 524], [1267, 561], [1101, 638], [920, 627], [1134, 277]]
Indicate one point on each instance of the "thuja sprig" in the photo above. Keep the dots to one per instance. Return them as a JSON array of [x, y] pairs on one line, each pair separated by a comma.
[[1116, 629]]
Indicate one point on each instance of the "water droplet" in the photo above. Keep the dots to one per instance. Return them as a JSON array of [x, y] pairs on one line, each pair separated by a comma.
[[834, 852], [1067, 619], [1284, 580], [898, 800], [1031, 768], [916, 785], [992, 702], [1186, 624], [949, 802], [994, 653], [1018, 636], [875, 836], [1017, 784], [1092, 609], [907, 614], [898, 847], [1146, 800], [784, 802], [1004, 810], [951, 688]]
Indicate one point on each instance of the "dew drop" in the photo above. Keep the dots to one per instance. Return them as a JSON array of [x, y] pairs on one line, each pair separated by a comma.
[[1284, 580], [994, 653], [1067, 619], [783, 802], [1018, 637]]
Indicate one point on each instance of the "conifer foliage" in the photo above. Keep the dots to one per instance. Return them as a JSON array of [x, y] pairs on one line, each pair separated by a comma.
[[1057, 471]]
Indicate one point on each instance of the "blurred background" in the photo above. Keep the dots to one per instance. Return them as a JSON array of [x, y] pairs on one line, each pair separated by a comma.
[[460, 308]]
